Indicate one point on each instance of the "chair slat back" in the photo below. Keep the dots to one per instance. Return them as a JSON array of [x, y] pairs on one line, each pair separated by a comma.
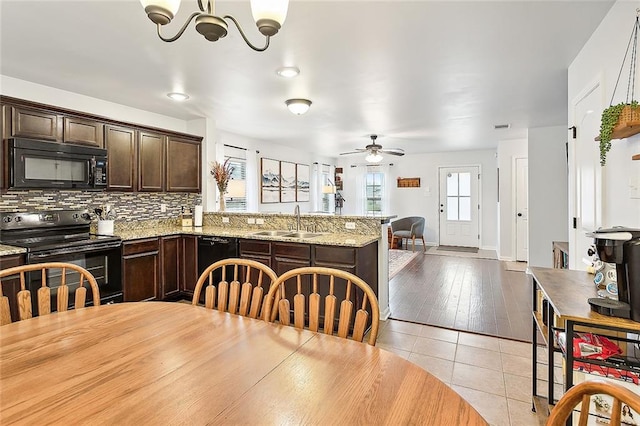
[[44, 293], [242, 293], [623, 399], [307, 310]]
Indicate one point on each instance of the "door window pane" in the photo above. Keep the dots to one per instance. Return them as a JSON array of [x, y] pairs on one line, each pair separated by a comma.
[[465, 184], [452, 208], [452, 184], [465, 208]]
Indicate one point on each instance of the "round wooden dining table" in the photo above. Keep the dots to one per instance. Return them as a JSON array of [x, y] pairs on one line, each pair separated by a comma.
[[173, 363]]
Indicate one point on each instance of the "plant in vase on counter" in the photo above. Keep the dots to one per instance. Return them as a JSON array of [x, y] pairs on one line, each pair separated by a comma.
[[222, 174]]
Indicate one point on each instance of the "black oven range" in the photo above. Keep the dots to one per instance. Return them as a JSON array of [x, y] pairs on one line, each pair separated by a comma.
[[64, 236]]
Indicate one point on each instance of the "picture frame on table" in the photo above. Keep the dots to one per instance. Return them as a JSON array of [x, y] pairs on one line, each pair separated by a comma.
[[269, 181], [287, 182], [303, 175]]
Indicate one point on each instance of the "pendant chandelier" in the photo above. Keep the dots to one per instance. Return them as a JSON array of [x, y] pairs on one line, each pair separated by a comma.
[[269, 15]]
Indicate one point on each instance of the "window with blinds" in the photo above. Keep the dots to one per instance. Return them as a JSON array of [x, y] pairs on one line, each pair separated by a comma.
[[233, 201], [373, 190]]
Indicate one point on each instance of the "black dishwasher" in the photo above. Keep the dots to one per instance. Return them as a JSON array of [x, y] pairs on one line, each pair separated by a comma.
[[211, 249]]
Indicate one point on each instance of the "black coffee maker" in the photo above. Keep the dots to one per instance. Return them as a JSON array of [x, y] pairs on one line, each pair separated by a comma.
[[620, 246]]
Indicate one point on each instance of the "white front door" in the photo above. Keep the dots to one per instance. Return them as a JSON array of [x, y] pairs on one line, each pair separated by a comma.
[[587, 180], [522, 209], [459, 208]]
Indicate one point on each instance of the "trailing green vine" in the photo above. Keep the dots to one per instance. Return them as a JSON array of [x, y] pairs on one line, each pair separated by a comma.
[[610, 118]]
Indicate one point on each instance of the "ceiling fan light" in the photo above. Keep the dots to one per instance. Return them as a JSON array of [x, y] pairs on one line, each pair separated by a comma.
[[161, 11], [373, 157], [269, 15], [298, 106]]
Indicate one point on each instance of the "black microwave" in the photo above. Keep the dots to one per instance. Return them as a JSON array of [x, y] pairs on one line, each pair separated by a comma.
[[35, 164]]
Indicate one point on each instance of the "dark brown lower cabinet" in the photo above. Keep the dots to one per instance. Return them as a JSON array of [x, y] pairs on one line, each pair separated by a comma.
[[141, 269], [189, 264], [171, 250], [282, 257], [11, 287]]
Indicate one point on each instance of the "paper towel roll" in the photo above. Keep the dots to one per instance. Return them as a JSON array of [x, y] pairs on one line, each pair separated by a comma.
[[197, 216]]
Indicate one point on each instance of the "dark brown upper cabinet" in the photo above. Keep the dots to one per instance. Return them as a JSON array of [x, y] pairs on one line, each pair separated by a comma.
[[35, 124], [83, 132], [140, 158], [120, 143], [151, 161], [183, 165]]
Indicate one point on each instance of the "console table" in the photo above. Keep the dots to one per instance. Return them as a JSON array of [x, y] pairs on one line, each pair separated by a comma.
[[560, 304]]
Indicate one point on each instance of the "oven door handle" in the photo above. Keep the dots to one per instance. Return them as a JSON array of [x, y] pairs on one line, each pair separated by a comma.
[[91, 248]]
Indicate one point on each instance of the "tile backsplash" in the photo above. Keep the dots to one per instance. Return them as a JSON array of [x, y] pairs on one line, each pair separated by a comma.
[[128, 206]]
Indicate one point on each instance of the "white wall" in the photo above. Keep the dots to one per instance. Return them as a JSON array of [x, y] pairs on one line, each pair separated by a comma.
[[423, 201], [22, 89], [508, 151], [600, 60], [548, 204]]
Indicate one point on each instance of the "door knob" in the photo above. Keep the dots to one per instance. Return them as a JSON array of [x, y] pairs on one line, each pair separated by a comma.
[[519, 214], [441, 211]]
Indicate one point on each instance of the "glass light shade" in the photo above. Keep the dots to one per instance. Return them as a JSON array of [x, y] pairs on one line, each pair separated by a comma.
[[236, 188], [373, 157], [270, 9], [298, 106], [170, 5]]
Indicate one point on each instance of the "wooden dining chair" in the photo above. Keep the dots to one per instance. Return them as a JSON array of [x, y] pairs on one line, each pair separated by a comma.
[[48, 274], [310, 311], [242, 285], [623, 399]]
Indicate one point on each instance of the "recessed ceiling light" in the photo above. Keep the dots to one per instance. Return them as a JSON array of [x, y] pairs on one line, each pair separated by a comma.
[[288, 72], [501, 126], [178, 96]]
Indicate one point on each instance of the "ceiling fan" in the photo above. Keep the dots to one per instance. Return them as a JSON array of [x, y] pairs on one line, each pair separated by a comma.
[[374, 150]]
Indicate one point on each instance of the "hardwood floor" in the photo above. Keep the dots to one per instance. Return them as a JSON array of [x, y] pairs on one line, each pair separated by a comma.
[[462, 293]]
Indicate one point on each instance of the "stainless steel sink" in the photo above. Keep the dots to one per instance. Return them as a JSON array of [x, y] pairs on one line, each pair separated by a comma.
[[301, 234], [273, 233]]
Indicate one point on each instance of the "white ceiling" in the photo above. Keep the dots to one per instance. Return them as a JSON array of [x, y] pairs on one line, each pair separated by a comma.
[[425, 75]]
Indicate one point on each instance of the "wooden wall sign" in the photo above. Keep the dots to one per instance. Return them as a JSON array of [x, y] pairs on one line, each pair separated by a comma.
[[408, 182]]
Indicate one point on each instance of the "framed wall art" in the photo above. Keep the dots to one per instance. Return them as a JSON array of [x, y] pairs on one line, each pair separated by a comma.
[[269, 181], [287, 182], [302, 182]]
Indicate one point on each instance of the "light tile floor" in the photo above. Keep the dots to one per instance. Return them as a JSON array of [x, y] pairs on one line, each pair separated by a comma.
[[492, 374]]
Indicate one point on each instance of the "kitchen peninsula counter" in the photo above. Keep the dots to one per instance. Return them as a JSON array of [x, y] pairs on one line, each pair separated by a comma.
[[329, 239]]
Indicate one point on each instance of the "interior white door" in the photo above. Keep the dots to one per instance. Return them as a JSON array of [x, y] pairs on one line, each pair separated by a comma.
[[459, 208], [588, 177], [522, 209]]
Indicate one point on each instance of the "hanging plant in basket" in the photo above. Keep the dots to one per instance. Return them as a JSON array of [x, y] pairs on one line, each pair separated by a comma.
[[622, 120], [621, 113]]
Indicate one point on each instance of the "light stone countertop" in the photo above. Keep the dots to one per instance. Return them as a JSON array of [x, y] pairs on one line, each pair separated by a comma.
[[8, 250], [330, 239]]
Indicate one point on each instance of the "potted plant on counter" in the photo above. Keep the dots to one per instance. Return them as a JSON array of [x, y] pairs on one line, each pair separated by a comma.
[[222, 174]]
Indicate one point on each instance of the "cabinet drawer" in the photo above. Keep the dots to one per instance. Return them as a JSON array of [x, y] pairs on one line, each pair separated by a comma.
[[292, 251], [140, 246], [333, 255], [255, 247]]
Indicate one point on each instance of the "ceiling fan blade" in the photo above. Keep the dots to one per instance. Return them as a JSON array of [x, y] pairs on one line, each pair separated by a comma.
[[393, 151], [357, 151]]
